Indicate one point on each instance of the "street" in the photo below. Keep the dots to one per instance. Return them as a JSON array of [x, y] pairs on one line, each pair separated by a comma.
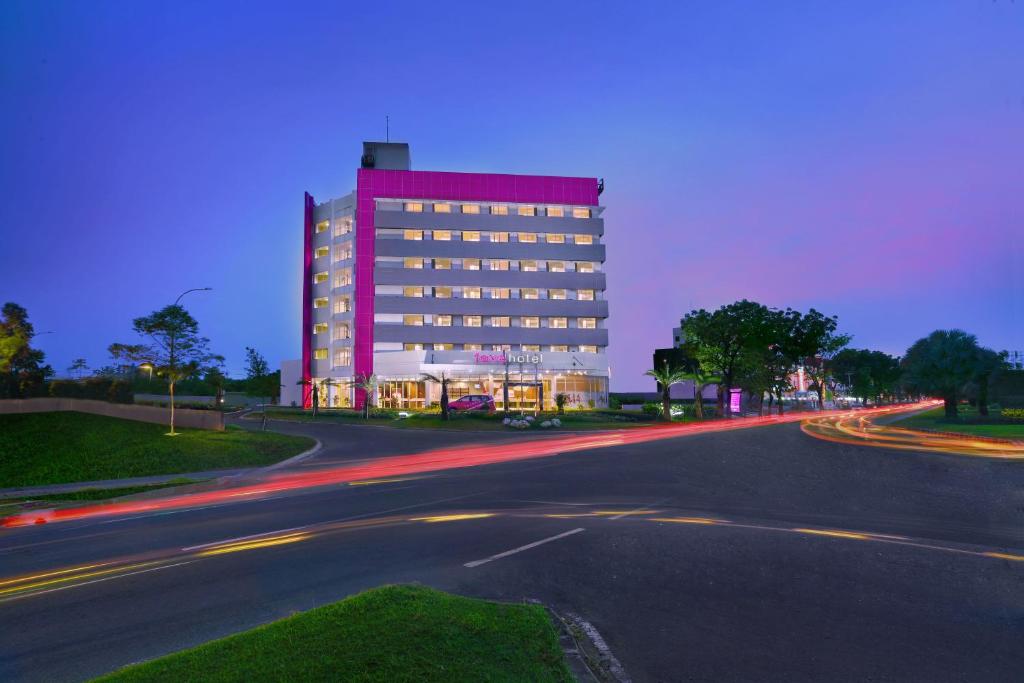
[[756, 554]]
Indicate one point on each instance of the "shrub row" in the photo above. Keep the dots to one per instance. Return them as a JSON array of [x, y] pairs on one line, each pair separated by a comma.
[[94, 388]]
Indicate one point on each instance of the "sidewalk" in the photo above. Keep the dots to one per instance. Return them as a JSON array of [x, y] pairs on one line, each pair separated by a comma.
[[51, 489]]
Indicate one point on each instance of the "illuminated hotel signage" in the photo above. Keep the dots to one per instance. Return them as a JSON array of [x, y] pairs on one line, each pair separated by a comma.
[[504, 358]]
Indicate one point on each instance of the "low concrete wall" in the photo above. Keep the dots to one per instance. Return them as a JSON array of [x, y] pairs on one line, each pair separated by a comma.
[[198, 419]]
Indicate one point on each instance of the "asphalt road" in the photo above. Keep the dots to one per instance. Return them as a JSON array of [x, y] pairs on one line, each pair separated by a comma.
[[740, 585]]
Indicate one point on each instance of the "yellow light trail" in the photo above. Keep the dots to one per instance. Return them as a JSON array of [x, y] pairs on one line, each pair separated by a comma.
[[72, 577], [32, 577], [689, 520], [835, 534], [252, 545], [451, 518], [1005, 556]]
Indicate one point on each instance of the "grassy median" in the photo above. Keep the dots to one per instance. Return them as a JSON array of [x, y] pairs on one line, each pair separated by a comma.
[[65, 447], [394, 633], [935, 420]]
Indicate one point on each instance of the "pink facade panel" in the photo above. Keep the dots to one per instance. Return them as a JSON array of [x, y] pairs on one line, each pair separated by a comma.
[[372, 184], [307, 303]]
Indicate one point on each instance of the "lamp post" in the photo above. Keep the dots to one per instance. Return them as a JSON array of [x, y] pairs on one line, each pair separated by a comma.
[[148, 366], [194, 289]]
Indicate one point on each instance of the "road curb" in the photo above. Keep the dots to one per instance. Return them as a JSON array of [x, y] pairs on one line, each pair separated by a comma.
[[586, 652], [308, 453]]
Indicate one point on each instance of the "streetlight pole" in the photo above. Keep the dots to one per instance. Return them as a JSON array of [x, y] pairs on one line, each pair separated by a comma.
[[194, 289]]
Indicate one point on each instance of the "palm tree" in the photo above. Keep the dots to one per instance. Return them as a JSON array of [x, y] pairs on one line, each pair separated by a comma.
[[443, 380], [701, 378], [315, 391], [78, 366], [368, 383], [666, 377]]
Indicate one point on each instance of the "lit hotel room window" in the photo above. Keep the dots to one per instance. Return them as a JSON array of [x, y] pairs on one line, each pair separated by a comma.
[[343, 358], [471, 321], [499, 210], [586, 323], [527, 211], [343, 251], [319, 328], [413, 235], [579, 212], [528, 237], [444, 347], [558, 323], [412, 347], [442, 320], [555, 212], [442, 208], [413, 292], [442, 264], [470, 208], [500, 321], [414, 207], [320, 302], [413, 320], [322, 251], [342, 227], [471, 264], [555, 238], [584, 239], [470, 292], [442, 292], [559, 348], [588, 348], [473, 347], [499, 237], [470, 235], [322, 226], [528, 293], [342, 304], [584, 267], [412, 262], [442, 235], [556, 293], [319, 354], [501, 347], [500, 293], [340, 331], [529, 321], [343, 277], [556, 266], [528, 266], [320, 277], [585, 294], [497, 264], [531, 347]]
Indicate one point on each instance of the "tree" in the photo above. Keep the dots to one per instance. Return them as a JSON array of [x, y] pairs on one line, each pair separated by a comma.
[[314, 391], [443, 380], [368, 385], [722, 341], [216, 378], [987, 364], [868, 375], [818, 343], [259, 381], [666, 376], [78, 365], [176, 350], [22, 370], [941, 364], [560, 401]]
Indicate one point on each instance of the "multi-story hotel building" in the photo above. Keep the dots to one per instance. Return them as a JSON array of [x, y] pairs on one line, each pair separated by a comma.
[[489, 279]]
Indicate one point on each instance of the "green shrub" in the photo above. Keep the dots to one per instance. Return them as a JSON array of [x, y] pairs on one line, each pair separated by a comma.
[[652, 409], [1013, 413]]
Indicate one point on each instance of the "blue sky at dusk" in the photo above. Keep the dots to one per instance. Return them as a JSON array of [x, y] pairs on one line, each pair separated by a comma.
[[863, 158]]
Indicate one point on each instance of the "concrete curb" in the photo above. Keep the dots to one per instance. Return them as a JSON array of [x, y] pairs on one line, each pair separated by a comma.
[[308, 453], [586, 652]]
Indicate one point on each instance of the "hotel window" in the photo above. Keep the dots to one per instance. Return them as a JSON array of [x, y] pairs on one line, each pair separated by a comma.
[[586, 323], [528, 293], [342, 227], [499, 264], [501, 347], [322, 251], [442, 207], [556, 293], [500, 293], [442, 235], [442, 264], [322, 226], [413, 262], [320, 277], [343, 358], [585, 294], [414, 207], [499, 210], [558, 323], [529, 321], [471, 321], [412, 320], [343, 251], [470, 235], [470, 292], [588, 348], [340, 331], [319, 328], [413, 292], [413, 235], [584, 267], [444, 347], [528, 266], [559, 348], [471, 264], [442, 292], [555, 238], [579, 212], [528, 237], [500, 321], [343, 277], [527, 211], [320, 302], [556, 266], [442, 320], [319, 354], [342, 304], [531, 347], [584, 239], [473, 347], [499, 237], [470, 208], [555, 212], [412, 347]]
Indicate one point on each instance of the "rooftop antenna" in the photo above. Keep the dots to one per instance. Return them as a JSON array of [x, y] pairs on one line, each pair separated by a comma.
[[387, 128]]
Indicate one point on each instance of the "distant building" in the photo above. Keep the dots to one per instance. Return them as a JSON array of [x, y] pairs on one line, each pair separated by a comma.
[[676, 358], [1015, 360]]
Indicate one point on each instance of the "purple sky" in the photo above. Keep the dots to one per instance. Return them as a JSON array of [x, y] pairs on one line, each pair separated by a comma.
[[864, 158]]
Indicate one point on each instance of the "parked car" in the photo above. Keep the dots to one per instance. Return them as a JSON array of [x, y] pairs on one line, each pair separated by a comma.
[[473, 402]]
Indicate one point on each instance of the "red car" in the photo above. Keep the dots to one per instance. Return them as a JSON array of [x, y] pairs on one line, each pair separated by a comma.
[[472, 402]]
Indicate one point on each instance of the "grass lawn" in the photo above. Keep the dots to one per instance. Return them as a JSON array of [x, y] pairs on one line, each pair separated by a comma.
[[934, 420], [393, 633], [10, 506], [64, 447]]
